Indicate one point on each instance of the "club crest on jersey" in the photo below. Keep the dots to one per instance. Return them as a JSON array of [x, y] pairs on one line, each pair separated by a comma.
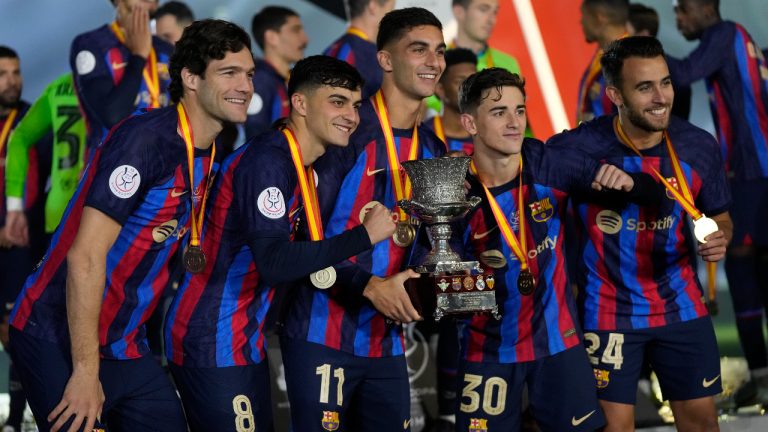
[[330, 420], [541, 210], [478, 425], [271, 203], [602, 377], [124, 181], [673, 182]]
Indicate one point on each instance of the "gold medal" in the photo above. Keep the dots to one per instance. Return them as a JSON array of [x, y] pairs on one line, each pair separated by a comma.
[[525, 282], [194, 259], [323, 279], [404, 234]]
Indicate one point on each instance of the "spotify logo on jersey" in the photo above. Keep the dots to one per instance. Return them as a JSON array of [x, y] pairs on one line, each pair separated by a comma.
[[609, 221]]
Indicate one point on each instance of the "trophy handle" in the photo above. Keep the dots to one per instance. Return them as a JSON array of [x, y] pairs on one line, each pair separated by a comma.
[[474, 201], [410, 206]]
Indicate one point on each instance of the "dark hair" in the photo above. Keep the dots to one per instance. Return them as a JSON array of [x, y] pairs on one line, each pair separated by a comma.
[[8, 52], [357, 7], [645, 18], [201, 42], [458, 56], [617, 11], [714, 3], [400, 21], [269, 18], [315, 71], [472, 91], [622, 49], [463, 3], [177, 9]]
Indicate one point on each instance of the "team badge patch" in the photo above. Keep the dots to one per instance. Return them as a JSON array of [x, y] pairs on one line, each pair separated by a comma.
[[541, 210], [478, 425], [602, 377], [271, 203], [673, 182], [85, 62], [124, 181], [330, 420]]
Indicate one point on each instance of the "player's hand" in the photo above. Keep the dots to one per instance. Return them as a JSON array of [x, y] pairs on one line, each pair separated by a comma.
[[390, 298], [4, 330], [16, 228], [83, 400], [138, 38], [5, 243], [714, 248], [610, 177], [379, 223]]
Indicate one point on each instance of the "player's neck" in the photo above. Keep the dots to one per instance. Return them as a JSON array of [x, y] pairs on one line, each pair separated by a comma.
[[204, 127], [495, 169], [282, 66], [641, 138], [311, 147], [452, 123], [464, 41], [402, 108], [610, 34], [371, 29]]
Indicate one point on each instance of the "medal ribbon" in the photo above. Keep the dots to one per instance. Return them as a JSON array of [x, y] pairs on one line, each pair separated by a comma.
[[7, 127], [357, 32], [150, 69], [439, 131], [197, 219], [518, 246], [401, 191], [307, 185]]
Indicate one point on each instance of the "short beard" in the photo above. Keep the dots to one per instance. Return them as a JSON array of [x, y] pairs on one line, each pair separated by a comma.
[[8, 103], [641, 122]]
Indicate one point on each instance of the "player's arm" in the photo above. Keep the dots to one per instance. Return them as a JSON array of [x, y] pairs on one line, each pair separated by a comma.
[[86, 277], [708, 57]]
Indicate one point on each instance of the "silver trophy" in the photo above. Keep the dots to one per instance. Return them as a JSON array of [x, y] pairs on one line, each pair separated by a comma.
[[438, 198]]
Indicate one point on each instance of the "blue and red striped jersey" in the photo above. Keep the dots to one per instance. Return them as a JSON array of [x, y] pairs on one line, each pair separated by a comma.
[[542, 324], [139, 177], [463, 144], [339, 317], [593, 101], [98, 58], [22, 108], [736, 75], [361, 54], [270, 99], [637, 268]]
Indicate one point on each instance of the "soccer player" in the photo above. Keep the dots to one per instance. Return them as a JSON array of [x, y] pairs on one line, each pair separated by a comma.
[[736, 75], [118, 242], [602, 22], [460, 63], [119, 68], [279, 33], [640, 297], [171, 19], [358, 45], [215, 343], [344, 359]]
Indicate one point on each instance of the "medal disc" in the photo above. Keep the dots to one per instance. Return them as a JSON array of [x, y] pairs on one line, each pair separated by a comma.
[[525, 282], [404, 234], [703, 227], [194, 259], [323, 279]]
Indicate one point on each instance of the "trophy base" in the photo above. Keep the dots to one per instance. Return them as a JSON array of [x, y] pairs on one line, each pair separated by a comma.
[[458, 288]]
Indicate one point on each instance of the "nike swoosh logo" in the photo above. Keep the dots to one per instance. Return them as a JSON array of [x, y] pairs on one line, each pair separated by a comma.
[[370, 173], [293, 212], [176, 194], [708, 383], [478, 236], [406, 423], [576, 422], [116, 66]]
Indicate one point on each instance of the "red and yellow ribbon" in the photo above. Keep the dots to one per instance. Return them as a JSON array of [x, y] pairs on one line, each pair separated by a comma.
[[7, 127], [186, 131], [307, 186], [439, 130], [151, 78], [518, 246], [402, 191]]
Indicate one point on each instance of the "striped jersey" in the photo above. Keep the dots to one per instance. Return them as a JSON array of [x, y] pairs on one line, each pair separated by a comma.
[[270, 99], [98, 57], [736, 75], [139, 177], [360, 53], [593, 101], [463, 144], [339, 317], [637, 268], [542, 324]]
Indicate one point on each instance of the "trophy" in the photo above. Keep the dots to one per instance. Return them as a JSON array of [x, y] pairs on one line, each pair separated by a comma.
[[448, 285]]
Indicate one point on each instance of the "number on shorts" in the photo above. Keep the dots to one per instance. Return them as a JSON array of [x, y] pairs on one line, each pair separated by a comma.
[[611, 355], [491, 405], [243, 414], [325, 383]]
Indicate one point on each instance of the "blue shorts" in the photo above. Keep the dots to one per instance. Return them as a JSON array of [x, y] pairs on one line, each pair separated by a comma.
[[560, 390], [15, 265], [139, 395], [683, 355], [749, 211], [233, 398], [333, 390]]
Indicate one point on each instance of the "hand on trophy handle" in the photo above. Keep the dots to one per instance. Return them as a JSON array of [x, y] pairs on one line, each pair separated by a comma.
[[379, 223], [610, 177], [389, 297]]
